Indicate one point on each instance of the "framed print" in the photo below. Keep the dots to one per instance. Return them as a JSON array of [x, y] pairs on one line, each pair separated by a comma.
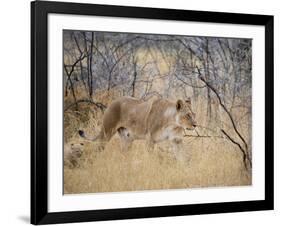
[[144, 112]]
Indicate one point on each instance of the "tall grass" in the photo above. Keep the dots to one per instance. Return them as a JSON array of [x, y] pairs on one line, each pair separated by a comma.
[[213, 161]]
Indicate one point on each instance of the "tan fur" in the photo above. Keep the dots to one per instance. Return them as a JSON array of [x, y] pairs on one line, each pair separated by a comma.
[[154, 121]]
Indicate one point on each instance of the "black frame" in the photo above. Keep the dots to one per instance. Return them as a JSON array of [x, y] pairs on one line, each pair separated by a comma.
[[39, 115]]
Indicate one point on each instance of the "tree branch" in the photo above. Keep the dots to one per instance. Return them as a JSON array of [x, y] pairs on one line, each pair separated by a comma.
[[97, 104], [223, 106], [244, 152], [193, 86]]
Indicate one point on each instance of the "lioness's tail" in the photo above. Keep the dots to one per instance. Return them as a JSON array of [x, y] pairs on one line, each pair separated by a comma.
[[82, 134]]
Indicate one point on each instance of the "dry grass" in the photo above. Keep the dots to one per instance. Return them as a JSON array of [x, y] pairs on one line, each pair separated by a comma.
[[213, 161]]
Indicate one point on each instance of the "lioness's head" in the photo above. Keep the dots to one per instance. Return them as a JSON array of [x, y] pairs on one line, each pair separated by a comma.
[[186, 116]]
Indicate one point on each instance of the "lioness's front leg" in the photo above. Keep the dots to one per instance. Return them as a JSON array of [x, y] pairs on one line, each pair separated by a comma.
[[177, 147], [176, 136], [125, 145]]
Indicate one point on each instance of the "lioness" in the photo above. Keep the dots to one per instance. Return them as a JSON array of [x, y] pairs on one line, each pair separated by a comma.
[[154, 121]]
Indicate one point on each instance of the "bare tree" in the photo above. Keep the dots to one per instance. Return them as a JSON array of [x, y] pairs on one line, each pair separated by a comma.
[[216, 72]]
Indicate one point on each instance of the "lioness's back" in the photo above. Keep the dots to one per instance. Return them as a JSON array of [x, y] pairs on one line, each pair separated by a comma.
[[115, 112]]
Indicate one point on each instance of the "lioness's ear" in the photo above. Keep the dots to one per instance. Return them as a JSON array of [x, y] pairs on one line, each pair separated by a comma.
[[179, 104]]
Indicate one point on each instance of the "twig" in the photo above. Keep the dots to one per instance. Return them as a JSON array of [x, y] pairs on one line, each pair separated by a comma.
[[204, 136], [203, 127], [97, 104]]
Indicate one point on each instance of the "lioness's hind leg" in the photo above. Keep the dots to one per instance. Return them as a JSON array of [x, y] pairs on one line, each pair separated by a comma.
[[126, 138]]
